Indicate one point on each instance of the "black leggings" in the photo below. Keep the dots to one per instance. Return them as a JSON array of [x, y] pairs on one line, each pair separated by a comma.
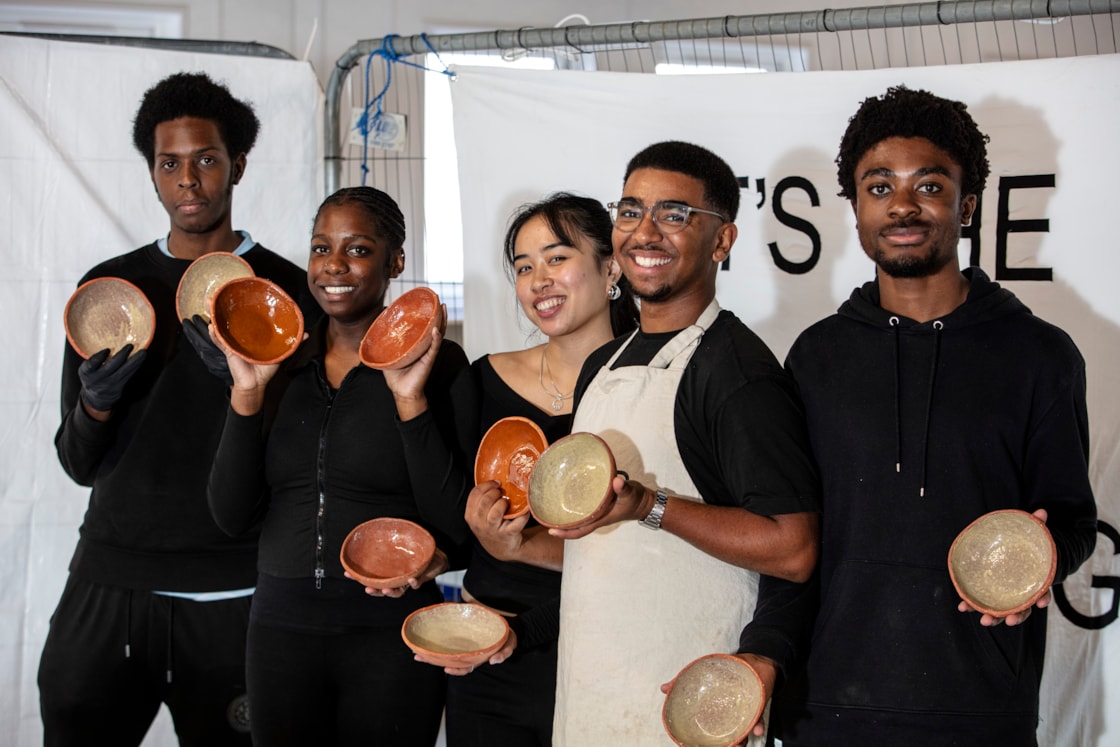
[[361, 688]]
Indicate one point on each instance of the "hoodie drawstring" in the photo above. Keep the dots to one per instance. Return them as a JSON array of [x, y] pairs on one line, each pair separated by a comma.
[[128, 627], [170, 625], [897, 397], [937, 327]]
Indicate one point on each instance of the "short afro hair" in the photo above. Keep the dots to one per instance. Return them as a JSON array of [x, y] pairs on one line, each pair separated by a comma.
[[194, 95], [721, 187], [902, 112]]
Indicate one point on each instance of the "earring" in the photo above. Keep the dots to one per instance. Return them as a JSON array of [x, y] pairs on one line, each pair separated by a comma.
[[614, 292]]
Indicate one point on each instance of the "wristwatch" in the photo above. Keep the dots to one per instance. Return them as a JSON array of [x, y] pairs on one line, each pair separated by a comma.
[[653, 520]]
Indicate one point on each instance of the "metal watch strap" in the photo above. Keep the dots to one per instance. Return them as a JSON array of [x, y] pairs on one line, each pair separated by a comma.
[[653, 520]]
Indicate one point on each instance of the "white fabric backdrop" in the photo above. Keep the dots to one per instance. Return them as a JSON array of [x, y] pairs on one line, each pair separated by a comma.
[[73, 191], [521, 134]]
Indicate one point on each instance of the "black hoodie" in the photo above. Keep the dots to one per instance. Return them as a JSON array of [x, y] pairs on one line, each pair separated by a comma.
[[918, 429]]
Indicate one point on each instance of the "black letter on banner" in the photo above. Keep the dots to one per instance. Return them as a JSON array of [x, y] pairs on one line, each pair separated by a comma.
[[1099, 582], [972, 233], [807, 228], [1005, 226]]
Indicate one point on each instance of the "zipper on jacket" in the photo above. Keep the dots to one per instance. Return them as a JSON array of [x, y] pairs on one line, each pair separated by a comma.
[[320, 512]]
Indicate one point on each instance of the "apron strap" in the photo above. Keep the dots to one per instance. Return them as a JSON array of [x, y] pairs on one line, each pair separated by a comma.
[[673, 355]]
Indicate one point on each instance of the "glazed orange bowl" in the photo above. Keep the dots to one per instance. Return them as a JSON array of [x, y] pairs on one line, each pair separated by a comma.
[[1003, 562], [256, 319], [203, 278], [570, 485], [401, 333], [715, 701], [108, 312], [455, 634], [507, 454], [384, 553]]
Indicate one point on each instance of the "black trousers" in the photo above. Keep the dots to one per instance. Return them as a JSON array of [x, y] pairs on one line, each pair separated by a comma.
[[113, 655]]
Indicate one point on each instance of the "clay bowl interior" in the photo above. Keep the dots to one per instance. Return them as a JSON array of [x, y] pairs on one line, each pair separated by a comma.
[[1003, 562], [715, 701], [257, 320], [202, 280], [385, 553], [455, 634], [507, 454], [571, 482], [400, 334], [108, 313]]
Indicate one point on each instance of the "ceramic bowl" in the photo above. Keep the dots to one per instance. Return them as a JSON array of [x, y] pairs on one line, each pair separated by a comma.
[[257, 320], [108, 313], [202, 280], [1003, 562], [386, 552], [402, 332], [570, 484], [455, 634], [507, 454], [714, 701]]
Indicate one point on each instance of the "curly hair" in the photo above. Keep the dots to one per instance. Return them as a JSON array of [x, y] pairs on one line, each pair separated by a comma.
[[194, 95], [382, 208], [903, 112], [566, 215], [721, 187]]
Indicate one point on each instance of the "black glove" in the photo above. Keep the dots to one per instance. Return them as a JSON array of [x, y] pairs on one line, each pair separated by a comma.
[[103, 378], [197, 334]]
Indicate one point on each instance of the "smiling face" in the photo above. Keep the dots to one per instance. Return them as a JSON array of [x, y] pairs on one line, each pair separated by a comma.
[[909, 208], [194, 174], [351, 263]]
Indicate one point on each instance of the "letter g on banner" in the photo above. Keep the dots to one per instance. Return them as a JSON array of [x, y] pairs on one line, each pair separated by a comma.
[[1098, 582]]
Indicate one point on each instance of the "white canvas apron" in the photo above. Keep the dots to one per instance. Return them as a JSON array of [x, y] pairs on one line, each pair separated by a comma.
[[638, 605]]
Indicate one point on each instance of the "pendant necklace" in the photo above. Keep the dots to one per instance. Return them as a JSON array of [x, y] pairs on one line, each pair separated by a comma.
[[558, 397]]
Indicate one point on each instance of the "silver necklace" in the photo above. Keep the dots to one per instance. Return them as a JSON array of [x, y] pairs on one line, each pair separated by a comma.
[[558, 397]]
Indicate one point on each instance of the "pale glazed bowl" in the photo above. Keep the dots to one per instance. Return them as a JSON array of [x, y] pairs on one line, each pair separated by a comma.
[[402, 332], [1003, 562], [109, 313], [715, 701], [202, 279], [257, 320], [384, 553], [455, 634], [570, 485], [507, 454]]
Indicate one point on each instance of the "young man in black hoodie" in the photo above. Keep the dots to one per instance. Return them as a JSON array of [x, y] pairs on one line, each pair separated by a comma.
[[157, 602], [933, 396]]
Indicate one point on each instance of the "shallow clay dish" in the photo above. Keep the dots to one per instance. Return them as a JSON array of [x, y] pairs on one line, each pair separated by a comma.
[[1003, 562], [385, 553], [571, 482], [257, 320], [507, 454], [714, 701], [108, 313], [202, 280], [401, 333], [455, 634]]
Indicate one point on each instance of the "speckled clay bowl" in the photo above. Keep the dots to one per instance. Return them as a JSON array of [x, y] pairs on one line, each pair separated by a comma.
[[507, 454], [455, 634], [385, 553], [1003, 562], [202, 280], [714, 701], [402, 332], [257, 320], [571, 482], [108, 313]]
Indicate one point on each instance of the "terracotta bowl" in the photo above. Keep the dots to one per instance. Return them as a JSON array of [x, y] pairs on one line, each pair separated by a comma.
[[386, 552], [257, 320], [1003, 562], [401, 333], [455, 634], [507, 454], [570, 484], [714, 701], [202, 280], [108, 313]]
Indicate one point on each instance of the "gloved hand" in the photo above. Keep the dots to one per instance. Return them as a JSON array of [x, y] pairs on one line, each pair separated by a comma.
[[197, 334], [103, 377]]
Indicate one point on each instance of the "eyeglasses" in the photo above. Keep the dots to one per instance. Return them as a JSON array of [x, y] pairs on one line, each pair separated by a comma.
[[670, 217]]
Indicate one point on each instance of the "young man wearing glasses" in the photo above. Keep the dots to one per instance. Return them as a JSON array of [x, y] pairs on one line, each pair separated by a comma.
[[716, 480]]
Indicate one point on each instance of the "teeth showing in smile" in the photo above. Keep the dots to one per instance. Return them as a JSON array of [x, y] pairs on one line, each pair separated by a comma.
[[548, 304], [650, 261], [338, 289]]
